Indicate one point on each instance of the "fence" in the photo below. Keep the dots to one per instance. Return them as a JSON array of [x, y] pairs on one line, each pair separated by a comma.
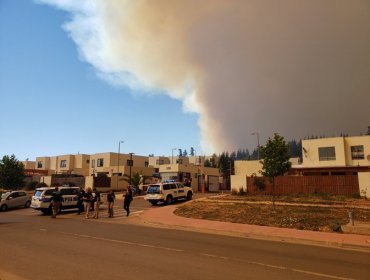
[[285, 185]]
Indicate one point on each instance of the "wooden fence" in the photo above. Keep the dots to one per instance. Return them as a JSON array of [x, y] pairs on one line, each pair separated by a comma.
[[285, 185]]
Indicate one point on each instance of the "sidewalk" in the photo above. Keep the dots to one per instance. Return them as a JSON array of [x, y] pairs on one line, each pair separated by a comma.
[[164, 217]]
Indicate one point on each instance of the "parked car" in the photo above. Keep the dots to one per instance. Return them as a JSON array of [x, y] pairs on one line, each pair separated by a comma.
[[41, 200], [167, 192], [14, 199]]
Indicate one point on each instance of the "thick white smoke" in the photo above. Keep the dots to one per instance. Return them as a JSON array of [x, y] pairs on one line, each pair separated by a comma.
[[297, 67]]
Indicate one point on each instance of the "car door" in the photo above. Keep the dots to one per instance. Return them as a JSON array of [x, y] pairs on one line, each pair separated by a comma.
[[12, 200], [22, 199], [180, 190]]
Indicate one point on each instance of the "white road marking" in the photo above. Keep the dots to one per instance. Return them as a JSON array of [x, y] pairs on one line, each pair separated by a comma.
[[124, 242], [214, 256], [301, 271]]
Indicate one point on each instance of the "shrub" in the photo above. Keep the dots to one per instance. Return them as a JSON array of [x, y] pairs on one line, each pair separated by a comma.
[[234, 192], [241, 191], [41, 185]]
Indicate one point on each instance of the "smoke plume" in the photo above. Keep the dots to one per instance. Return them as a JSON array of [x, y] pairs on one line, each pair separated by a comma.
[[296, 67]]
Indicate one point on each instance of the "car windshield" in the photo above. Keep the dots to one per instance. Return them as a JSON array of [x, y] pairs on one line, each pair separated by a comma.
[[4, 195], [153, 189]]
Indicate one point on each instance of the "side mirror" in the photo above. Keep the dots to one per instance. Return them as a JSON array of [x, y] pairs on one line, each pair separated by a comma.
[[10, 198]]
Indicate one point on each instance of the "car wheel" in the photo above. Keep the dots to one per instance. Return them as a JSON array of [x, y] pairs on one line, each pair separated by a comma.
[[4, 207], [28, 204], [189, 196], [169, 199], [154, 203]]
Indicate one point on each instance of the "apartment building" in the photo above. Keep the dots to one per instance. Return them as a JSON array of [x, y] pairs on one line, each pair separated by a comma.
[[113, 164], [64, 164]]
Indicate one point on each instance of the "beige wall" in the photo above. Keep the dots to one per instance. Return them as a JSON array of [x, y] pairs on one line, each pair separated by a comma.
[[157, 161], [364, 183], [29, 164], [247, 167], [310, 151], [357, 141], [237, 182], [45, 163]]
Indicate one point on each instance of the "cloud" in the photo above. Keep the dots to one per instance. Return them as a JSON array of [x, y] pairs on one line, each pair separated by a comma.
[[294, 67]]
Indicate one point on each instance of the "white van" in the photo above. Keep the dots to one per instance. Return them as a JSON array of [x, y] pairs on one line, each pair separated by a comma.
[[167, 192]]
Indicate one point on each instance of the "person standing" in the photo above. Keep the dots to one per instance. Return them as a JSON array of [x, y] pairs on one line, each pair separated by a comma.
[[56, 201], [80, 204], [97, 200], [110, 199], [87, 202], [128, 197]]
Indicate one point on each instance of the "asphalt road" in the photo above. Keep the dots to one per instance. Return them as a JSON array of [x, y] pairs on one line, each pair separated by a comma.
[[34, 246]]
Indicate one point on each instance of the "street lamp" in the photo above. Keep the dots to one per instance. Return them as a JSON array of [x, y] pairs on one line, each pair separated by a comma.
[[173, 149], [119, 152], [258, 143]]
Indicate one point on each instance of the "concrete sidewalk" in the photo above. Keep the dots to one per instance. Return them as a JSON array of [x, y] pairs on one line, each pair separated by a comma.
[[164, 217]]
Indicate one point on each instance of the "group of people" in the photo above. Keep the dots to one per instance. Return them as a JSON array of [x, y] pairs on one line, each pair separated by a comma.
[[90, 200]]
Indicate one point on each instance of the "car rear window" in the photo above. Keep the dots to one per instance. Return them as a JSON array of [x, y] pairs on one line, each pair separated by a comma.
[[153, 189]]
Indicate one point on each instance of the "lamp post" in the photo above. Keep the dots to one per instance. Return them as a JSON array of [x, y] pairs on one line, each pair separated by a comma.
[[258, 143], [173, 149], [119, 152]]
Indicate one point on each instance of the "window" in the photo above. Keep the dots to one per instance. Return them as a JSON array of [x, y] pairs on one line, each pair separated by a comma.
[[100, 162], [39, 164], [93, 163], [146, 164], [326, 153], [159, 161], [357, 152], [130, 162], [63, 163], [87, 161]]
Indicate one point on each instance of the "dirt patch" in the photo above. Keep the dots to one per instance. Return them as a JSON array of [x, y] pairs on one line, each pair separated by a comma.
[[314, 218]]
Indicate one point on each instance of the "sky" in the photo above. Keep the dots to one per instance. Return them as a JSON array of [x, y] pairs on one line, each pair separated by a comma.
[[79, 76]]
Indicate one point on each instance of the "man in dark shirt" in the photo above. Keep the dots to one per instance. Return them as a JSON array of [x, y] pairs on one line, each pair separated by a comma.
[[56, 201], [80, 204]]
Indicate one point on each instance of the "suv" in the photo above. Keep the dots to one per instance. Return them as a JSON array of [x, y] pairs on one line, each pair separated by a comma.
[[167, 192], [13, 199], [41, 200]]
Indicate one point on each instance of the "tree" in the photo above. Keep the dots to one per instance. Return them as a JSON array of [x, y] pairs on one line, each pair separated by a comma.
[[11, 173], [275, 160], [192, 151], [180, 152]]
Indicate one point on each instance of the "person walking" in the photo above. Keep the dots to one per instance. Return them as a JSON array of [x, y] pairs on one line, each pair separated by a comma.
[[111, 197], [87, 202], [80, 204], [56, 201], [128, 197], [97, 200]]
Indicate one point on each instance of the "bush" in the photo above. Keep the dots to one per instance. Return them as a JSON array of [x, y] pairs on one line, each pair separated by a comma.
[[234, 192], [241, 191], [41, 185]]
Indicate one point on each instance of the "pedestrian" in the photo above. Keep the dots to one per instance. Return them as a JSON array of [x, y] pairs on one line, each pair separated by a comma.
[[111, 197], [56, 201], [97, 200], [87, 202], [80, 205], [128, 197]]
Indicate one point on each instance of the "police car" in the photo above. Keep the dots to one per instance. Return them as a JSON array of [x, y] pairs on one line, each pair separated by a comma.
[[167, 192], [41, 200]]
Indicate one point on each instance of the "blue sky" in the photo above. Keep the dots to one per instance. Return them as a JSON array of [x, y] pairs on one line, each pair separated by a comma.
[[52, 103]]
